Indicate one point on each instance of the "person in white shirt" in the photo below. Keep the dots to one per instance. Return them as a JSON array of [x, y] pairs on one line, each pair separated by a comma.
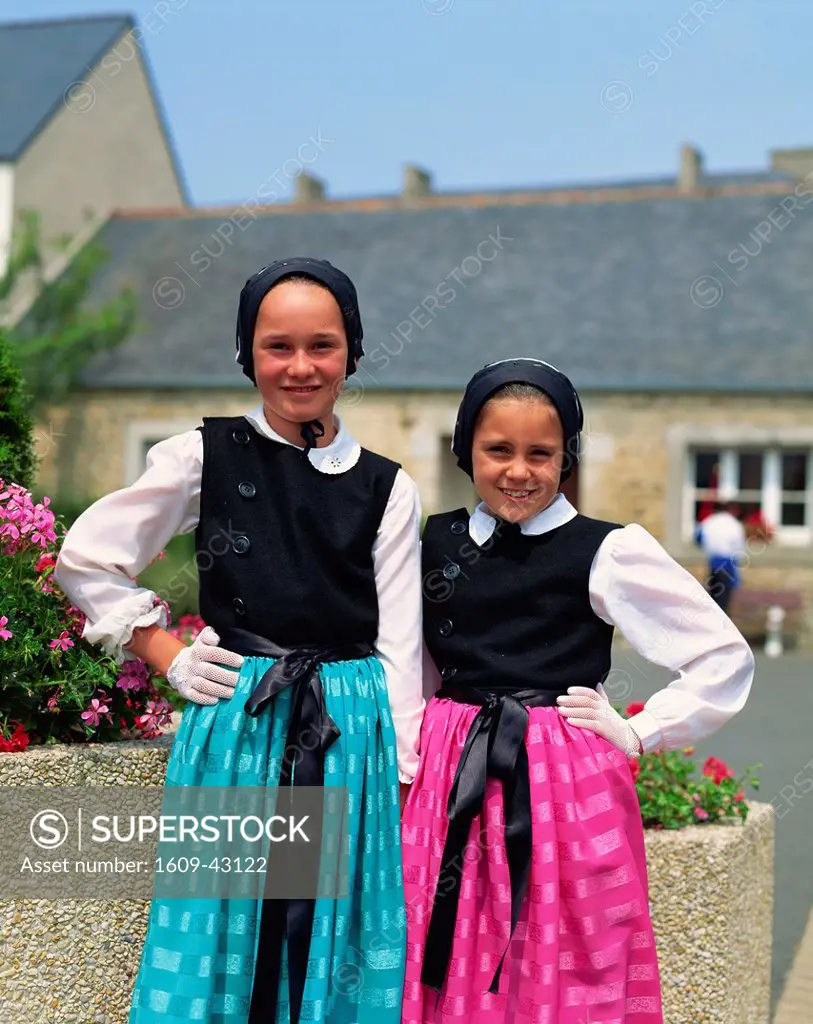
[[524, 853], [309, 670], [722, 538]]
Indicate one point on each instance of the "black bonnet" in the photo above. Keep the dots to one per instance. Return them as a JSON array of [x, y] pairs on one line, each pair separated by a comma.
[[519, 371]]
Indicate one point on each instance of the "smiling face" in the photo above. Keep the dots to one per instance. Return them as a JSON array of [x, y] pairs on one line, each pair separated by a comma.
[[517, 456], [300, 357]]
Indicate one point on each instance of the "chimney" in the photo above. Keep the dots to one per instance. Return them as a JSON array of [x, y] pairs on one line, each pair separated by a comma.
[[417, 182], [796, 162], [309, 189], [691, 169]]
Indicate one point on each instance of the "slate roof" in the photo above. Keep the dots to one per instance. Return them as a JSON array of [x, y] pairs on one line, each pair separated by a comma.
[[39, 60], [602, 290]]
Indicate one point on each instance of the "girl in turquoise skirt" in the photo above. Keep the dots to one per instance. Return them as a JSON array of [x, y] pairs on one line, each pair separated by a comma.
[[310, 587]]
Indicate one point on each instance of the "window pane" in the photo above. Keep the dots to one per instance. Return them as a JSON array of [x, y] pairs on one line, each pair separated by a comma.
[[705, 469], [750, 471], [794, 471], [793, 513], [145, 447], [750, 510]]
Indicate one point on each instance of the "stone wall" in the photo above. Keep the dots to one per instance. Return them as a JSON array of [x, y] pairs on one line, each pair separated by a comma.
[[711, 891], [75, 961], [632, 470]]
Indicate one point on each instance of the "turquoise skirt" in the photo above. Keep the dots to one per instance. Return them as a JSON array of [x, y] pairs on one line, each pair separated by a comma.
[[200, 955]]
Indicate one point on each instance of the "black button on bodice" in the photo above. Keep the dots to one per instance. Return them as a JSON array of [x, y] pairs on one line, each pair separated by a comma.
[[446, 627], [241, 544], [458, 526], [247, 489], [240, 436], [239, 606], [449, 672], [451, 571]]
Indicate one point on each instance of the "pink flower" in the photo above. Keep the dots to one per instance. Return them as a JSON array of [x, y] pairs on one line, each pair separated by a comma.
[[157, 714], [91, 716], [5, 634], [22, 523], [700, 814], [135, 675], [79, 619], [188, 628], [739, 797], [11, 532], [63, 641], [53, 702]]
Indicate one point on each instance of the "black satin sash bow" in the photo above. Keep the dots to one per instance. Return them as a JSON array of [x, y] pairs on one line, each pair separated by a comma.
[[290, 919], [494, 748]]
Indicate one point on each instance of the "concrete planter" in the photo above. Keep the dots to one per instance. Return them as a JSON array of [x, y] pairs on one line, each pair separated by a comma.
[[711, 890], [75, 961]]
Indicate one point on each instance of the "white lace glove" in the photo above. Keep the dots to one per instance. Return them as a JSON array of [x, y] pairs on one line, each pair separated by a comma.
[[591, 709], [196, 671]]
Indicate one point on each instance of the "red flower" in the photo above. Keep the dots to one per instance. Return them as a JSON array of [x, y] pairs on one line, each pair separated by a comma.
[[44, 562], [717, 770], [739, 797], [18, 740], [635, 768], [635, 707]]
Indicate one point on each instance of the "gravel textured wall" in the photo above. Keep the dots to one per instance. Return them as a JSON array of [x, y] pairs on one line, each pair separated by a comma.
[[711, 890], [74, 961]]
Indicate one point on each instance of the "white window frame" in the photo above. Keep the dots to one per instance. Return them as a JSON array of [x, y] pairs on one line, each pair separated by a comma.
[[684, 438], [771, 495], [139, 432]]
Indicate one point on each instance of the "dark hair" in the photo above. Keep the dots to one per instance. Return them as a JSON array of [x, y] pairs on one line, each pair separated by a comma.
[[306, 279], [517, 390], [303, 278]]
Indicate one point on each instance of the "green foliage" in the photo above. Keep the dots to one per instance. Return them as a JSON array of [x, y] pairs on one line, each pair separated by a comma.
[[174, 577], [670, 796], [17, 458], [50, 676], [59, 334]]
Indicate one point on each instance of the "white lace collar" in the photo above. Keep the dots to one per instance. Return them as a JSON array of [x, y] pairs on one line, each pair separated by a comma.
[[482, 524], [337, 457]]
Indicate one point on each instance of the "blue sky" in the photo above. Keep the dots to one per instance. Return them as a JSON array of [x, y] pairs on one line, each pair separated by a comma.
[[483, 93]]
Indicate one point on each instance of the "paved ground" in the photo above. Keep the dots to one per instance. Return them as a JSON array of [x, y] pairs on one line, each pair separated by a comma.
[[796, 1001], [775, 728]]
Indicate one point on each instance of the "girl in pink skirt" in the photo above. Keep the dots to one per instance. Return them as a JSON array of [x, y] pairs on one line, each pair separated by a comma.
[[524, 867]]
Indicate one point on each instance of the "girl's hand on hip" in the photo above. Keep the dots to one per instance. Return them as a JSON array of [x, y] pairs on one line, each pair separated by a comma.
[[197, 672], [591, 709]]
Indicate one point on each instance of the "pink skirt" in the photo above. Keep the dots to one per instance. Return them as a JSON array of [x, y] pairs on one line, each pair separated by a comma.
[[583, 951]]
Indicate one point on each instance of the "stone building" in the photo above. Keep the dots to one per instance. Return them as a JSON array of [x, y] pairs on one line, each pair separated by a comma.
[[82, 132], [680, 308]]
